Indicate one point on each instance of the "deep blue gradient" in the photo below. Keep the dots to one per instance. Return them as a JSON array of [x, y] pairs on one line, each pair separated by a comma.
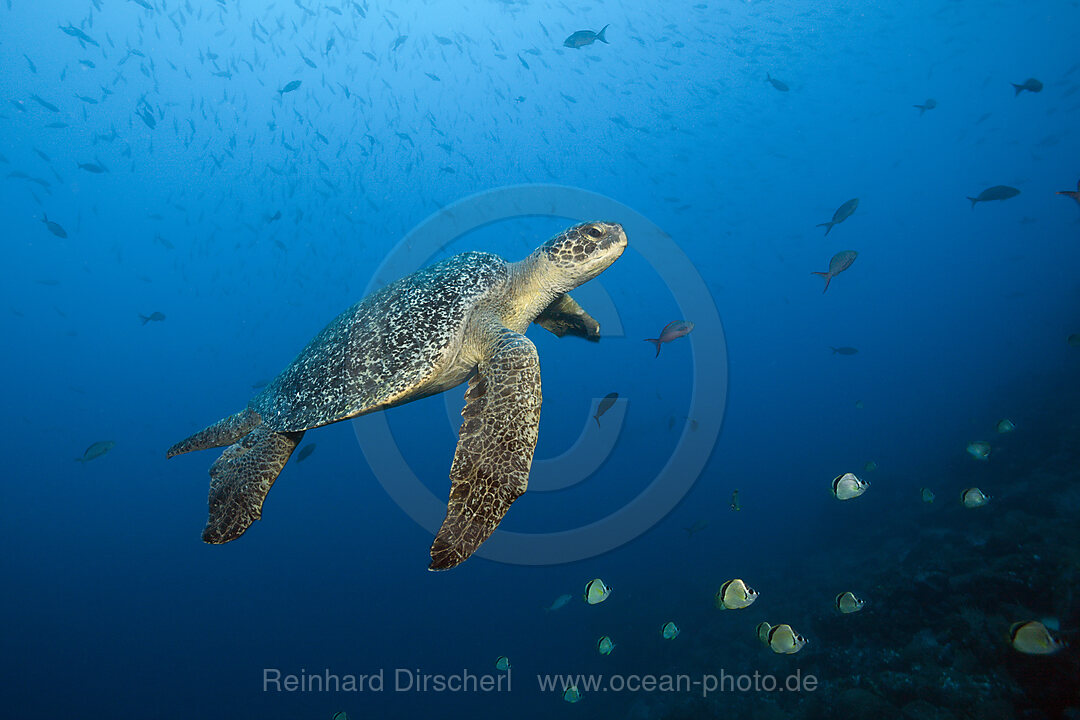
[[113, 606]]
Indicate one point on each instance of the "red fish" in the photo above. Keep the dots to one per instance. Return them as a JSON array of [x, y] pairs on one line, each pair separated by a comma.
[[840, 262], [1069, 193], [672, 331]]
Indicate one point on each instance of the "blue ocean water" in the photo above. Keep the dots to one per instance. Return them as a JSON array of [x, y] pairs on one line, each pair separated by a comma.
[[183, 177]]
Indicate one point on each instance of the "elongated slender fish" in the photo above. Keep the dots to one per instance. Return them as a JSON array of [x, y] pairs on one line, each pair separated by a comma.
[[840, 262]]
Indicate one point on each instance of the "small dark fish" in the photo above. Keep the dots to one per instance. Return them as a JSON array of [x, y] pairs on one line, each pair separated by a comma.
[[735, 501], [1031, 85], [399, 42], [778, 84], [697, 527], [672, 331], [272, 218], [45, 104], [930, 104], [147, 117], [33, 67], [444, 40], [434, 77], [840, 262], [292, 85], [155, 316], [87, 100], [88, 63], [96, 450], [305, 452], [57, 125], [843, 350], [92, 167], [54, 228], [997, 192], [143, 3], [1075, 195], [605, 405], [79, 34], [585, 37], [842, 213], [523, 63]]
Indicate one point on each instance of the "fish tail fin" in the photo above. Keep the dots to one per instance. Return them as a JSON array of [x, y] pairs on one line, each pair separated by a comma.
[[1017, 89], [145, 319], [600, 35], [44, 217], [973, 201], [655, 341], [596, 417], [834, 350], [827, 226], [922, 109], [828, 279]]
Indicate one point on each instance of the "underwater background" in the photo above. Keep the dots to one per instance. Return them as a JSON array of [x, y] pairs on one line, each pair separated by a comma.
[[180, 219]]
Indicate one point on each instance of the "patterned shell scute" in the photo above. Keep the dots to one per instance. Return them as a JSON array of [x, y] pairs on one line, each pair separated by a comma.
[[382, 349]]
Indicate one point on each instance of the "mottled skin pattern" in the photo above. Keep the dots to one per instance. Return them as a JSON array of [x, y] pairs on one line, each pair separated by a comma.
[[425, 333], [495, 447], [240, 479], [565, 317], [224, 432]]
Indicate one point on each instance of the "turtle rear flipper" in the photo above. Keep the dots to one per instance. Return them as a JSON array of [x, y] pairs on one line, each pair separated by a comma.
[[224, 432], [241, 478], [494, 450], [565, 317]]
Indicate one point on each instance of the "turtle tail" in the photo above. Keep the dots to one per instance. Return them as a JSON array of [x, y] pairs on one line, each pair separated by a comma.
[[224, 432], [241, 478]]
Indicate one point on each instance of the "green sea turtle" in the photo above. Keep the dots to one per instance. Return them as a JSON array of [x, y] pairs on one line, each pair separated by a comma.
[[461, 319]]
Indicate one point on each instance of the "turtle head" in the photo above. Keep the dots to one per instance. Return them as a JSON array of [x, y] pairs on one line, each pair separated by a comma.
[[581, 253]]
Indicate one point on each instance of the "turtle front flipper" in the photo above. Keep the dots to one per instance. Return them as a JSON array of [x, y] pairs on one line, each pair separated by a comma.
[[224, 432], [241, 478], [565, 317], [494, 450]]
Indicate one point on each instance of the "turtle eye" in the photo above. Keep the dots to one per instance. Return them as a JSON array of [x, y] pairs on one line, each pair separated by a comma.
[[595, 231]]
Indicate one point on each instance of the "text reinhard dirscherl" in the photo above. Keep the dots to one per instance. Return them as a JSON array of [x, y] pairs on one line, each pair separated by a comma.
[[402, 680]]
